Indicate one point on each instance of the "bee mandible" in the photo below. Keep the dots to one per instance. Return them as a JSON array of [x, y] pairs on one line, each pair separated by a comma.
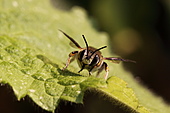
[[90, 58]]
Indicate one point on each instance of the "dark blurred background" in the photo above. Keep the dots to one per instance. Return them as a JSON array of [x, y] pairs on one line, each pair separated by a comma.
[[139, 30]]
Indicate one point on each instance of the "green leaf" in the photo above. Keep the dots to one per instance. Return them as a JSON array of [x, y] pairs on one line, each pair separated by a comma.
[[33, 52]]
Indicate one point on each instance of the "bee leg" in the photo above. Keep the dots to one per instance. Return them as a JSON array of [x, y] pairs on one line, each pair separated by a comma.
[[81, 68], [90, 71], [104, 66], [100, 70], [70, 58], [107, 71]]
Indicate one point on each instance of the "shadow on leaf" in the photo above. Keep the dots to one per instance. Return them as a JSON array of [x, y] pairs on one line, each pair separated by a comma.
[[61, 72]]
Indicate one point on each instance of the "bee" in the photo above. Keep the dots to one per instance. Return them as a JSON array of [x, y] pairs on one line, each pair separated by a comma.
[[90, 58]]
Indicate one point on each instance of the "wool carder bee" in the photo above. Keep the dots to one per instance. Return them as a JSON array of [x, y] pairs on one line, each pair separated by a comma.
[[90, 58]]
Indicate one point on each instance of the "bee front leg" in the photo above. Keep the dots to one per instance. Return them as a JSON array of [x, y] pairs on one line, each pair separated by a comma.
[[70, 58], [104, 66], [81, 68]]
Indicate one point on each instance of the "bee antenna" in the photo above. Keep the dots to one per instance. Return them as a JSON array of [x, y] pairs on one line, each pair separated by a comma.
[[96, 51], [86, 44]]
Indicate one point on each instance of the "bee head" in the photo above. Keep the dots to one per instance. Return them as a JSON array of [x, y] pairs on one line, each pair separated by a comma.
[[89, 55]]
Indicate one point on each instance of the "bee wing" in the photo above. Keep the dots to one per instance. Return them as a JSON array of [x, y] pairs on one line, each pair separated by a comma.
[[118, 59], [73, 43]]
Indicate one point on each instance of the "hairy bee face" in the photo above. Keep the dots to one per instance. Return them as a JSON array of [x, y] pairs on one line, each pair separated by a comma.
[[87, 56], [89, 59], [83, 57]]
